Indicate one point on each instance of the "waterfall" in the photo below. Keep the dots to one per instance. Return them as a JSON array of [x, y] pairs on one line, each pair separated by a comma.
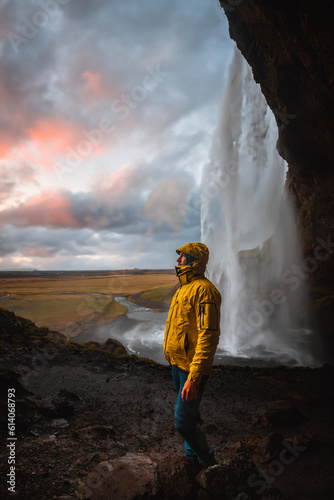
[[248, 225]]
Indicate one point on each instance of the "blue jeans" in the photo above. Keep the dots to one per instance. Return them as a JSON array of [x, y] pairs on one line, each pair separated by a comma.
[[188, 422]]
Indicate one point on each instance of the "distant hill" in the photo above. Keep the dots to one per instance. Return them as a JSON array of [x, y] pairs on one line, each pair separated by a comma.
[[17, 332], [22, 273]]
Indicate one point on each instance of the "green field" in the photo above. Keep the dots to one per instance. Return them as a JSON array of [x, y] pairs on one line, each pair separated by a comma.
[[67, 303]]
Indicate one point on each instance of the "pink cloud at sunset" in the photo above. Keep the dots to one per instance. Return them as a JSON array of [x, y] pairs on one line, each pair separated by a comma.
[[98, 86], [53, 138], [119, 182], [46, 209], [5, 145], [44, 142], [36, 252]]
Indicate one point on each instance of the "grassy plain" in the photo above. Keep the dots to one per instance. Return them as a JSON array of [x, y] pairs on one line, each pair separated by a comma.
[[71, 302]]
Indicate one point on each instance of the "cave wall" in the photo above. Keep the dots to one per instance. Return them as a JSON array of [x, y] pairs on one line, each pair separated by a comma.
[[289, 45]]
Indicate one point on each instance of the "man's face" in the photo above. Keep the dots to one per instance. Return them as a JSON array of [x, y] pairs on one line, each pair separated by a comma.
[[182, 259]]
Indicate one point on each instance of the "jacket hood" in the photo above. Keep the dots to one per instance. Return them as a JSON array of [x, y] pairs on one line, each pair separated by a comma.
[[200, 252]]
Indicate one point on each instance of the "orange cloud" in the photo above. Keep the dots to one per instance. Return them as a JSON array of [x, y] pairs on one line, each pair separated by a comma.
[[119, 185], [47, 209], [98, 86], [121, 180], [36, 252], [5, 146], [55, 208], [52, 138]]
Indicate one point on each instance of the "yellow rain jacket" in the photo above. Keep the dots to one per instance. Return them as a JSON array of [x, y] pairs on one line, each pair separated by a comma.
[[193, 323]]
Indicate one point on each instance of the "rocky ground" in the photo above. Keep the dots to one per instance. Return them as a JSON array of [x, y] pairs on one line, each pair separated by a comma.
[[82, 412]]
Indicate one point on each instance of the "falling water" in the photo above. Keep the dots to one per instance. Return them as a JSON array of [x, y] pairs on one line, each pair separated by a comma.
[[249, 227]]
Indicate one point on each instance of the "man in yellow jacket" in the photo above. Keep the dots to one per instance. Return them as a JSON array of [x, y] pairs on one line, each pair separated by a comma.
[[191, 338]]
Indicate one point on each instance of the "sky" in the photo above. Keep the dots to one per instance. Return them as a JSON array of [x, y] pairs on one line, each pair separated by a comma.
[[108, 110]]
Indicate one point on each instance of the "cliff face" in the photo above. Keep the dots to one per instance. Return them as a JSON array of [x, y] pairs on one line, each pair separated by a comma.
[[289, 46]]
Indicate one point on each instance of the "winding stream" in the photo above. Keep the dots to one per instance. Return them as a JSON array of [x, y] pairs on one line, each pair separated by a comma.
[[140, 330]]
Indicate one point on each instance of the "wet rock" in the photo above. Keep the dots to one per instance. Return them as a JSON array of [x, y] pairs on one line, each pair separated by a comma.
[[125, 478], [34, 433], [234, 479], [57, 407], [283, 413], [60, 423], [63, 406], [268, 448], [46, 408], [176, 478], [63, 393], [306, 440], [261, 450], [95, 432], [9, 379], [115, 347], [139, 476], [237, 447], [25, 409]]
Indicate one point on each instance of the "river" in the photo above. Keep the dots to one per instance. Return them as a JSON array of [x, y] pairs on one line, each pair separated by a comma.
[[140, 330]]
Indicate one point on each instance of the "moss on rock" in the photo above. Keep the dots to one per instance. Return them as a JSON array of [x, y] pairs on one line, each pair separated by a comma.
[[17, 332]]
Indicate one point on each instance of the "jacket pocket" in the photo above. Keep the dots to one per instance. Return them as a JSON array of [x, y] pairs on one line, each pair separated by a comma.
[[186, 343], [208, 316]]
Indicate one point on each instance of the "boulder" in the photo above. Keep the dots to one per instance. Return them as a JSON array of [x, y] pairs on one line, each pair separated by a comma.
[[59, 423], [268, 448], [261, 450], [237, 478], [63, 406], [176, 478], [125, 478]]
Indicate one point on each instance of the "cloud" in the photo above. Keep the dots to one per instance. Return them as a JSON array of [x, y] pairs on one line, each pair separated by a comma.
[[98, 86], [122, 202], [87, 249], [96, 52], [14, 179], [167, 203], [135, 190], [51, 137], [127, 179], [46, 209], [35, 252]]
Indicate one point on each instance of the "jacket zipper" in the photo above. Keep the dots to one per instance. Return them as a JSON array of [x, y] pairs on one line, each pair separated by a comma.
[[202, 314]]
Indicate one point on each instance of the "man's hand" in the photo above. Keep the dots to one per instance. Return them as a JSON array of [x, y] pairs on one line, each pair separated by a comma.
[[189, 391]]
